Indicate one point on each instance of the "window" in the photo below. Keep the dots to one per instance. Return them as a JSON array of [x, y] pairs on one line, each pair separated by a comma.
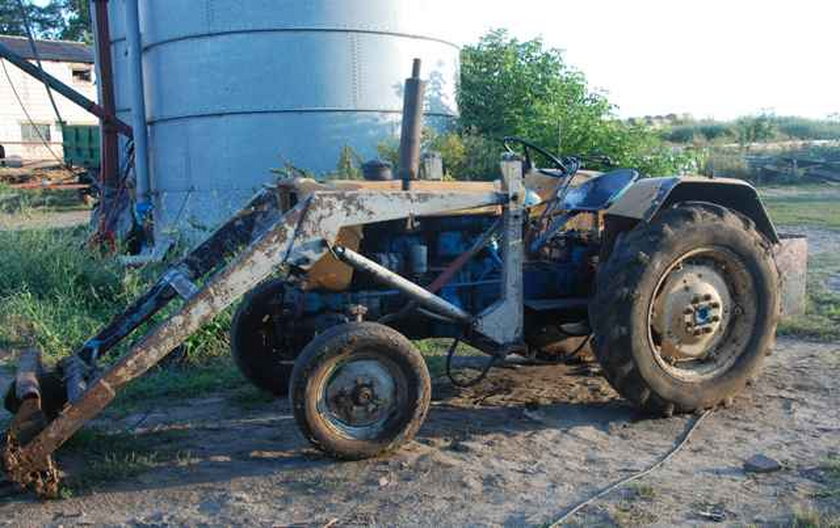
[[36, 133], [81, 74]]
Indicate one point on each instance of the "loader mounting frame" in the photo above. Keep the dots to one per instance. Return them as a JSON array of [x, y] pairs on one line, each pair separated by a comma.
[[261, 239]]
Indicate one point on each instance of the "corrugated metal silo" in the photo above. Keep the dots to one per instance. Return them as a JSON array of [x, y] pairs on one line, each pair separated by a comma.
[[119, 58], [234, 88]]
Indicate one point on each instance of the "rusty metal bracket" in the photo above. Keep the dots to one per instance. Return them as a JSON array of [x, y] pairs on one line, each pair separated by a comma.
[[180, 283]]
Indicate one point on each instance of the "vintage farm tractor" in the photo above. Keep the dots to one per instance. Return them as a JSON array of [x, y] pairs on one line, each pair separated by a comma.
[[673, 279]]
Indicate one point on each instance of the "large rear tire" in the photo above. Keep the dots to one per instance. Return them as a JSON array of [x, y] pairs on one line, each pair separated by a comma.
[[685, 309], [359, 390]]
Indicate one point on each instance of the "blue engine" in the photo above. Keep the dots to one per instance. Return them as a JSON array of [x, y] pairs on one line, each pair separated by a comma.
[[422, 248]]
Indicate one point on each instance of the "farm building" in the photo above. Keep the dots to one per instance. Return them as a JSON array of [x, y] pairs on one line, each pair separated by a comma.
[[29, 127]]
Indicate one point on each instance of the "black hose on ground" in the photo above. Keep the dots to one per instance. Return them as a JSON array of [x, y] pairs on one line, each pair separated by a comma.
[[464, 384]]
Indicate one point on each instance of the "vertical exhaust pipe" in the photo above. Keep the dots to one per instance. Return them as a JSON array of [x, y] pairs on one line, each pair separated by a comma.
[[412, 126]]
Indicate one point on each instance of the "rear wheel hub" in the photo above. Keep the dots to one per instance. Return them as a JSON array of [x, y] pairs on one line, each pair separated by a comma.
[[690, 310], [697, 312]]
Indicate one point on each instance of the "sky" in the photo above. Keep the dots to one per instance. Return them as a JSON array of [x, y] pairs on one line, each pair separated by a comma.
[[710, 58]]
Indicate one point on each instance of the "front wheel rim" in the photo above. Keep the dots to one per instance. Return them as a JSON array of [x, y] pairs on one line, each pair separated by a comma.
[[361, 397], [701, 314]]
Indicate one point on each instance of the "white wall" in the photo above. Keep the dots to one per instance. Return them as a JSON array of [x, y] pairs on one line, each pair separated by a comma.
[[34, 96]]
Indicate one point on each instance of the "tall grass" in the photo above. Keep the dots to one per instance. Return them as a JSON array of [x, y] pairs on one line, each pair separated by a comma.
[[56, 292], [822, 314]]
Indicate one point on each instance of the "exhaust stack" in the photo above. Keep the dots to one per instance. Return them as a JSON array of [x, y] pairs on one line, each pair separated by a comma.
[[412, 126]]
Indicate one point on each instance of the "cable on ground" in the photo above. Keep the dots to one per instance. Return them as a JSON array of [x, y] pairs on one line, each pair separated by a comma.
[[614, 486], [464, 384]]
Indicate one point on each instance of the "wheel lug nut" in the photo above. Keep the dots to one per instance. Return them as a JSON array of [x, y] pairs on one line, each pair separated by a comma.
[[698, 332], [688, 311], [707, 297], [715, 305], [707, 330], [695, 300], [715, 318]]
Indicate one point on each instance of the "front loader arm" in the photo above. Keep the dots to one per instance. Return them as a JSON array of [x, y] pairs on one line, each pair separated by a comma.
[[298, 238]]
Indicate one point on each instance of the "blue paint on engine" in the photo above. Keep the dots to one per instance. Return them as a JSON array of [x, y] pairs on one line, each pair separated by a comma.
[[475, 287]]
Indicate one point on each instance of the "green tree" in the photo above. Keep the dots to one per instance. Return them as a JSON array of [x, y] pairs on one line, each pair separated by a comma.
[[755, 129], [59, 19], [46, 22], [511, 87], [77, 21]]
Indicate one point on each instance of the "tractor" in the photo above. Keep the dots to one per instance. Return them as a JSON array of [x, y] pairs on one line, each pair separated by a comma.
[[671, 281]]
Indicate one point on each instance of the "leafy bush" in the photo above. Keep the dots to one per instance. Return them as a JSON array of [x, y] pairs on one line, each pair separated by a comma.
[[727, 163], [467, 156], [755, 129], [700, 132], [803, 128], [751, 129]]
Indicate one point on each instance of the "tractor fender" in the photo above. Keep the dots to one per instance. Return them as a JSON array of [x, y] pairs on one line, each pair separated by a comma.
[[643, 200]]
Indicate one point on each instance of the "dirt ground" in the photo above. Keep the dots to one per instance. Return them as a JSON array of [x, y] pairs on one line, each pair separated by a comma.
[[517, 450], [42, 220]]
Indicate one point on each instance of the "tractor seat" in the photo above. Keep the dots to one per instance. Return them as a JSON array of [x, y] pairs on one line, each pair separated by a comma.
[[598, 193]]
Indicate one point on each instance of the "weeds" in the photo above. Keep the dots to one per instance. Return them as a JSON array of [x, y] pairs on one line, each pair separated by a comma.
[[643, 491], [57, 292], [630, 513], [177, 382], [249, 397], [111, 457], [804, 210], [830, 477], [822, 314], [812, 518]]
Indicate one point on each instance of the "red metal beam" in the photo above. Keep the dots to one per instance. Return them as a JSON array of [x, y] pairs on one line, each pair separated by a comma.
[[110, 172]]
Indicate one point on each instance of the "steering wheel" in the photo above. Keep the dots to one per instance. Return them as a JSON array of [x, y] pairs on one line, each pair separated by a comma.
[[565, 166]]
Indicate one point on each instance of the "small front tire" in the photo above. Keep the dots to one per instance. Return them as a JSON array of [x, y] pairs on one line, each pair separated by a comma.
[[359, 390]]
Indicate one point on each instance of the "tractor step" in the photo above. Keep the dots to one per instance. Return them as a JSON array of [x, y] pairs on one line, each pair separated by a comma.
[[565, 304]]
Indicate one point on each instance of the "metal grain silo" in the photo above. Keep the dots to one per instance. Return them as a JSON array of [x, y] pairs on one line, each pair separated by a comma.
[[235, 88], [120, 60]]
